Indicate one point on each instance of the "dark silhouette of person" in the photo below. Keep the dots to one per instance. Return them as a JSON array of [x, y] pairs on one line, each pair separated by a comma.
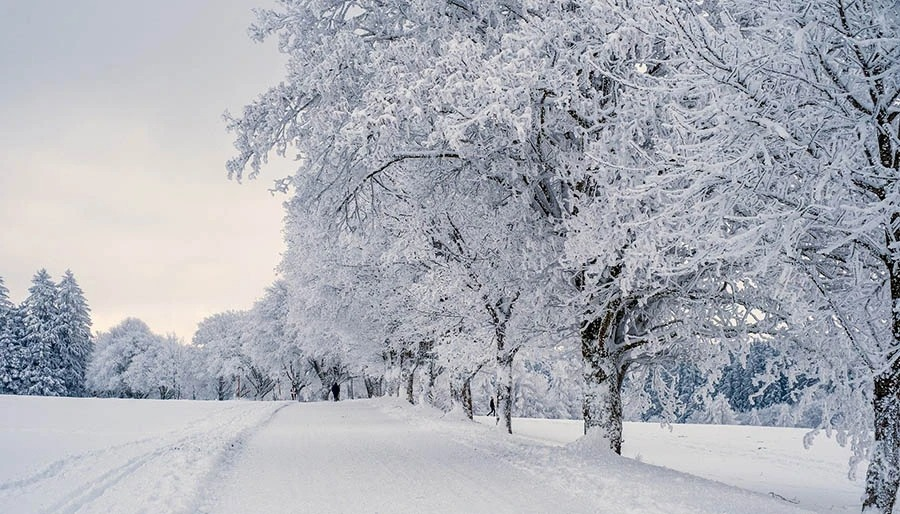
[[336, 391], [492, 412]]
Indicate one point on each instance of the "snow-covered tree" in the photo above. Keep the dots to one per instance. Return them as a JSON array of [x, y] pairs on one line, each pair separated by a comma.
[[10, 343], [130, 361], [155, 372], [337, 304], [219, 338], [550, 108], [413, 137], [5, 304], [43, 369], [271, 344], [113, 355], [74, 334], [673, 164], [819, 109]]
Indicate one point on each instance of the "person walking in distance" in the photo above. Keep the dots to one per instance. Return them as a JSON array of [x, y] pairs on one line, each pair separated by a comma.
[[336, 391], [493, 412]]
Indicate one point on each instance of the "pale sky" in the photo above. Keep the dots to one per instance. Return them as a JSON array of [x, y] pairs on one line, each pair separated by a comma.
[[112, 152]]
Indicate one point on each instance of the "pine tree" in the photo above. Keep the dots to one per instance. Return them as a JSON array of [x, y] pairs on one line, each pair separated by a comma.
[[42, 366], [12, 353], [74, 332], [5, 304], [8, 341]]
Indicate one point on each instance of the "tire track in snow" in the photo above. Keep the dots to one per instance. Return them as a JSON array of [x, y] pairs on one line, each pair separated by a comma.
[[79, 499], [61, 466], [224, 465], [158, 473]]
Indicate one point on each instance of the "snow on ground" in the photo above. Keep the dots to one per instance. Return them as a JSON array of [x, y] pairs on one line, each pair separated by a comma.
[[762, 459], [119, 456], [62, 455]]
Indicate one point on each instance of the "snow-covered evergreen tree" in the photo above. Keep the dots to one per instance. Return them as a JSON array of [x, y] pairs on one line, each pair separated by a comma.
[[43, 366], [10, 351], [5, 304], [74, 334]]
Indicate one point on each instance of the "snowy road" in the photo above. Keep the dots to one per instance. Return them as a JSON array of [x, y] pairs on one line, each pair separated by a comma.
[[121, 456], [357, 459], [382, 456]]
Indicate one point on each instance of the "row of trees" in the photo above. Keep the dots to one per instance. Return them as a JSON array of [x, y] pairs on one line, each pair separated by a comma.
[[130, 361], [621, 184], [45, 342]]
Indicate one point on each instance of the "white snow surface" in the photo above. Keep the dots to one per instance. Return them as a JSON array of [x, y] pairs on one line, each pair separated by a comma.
[[121, 456]]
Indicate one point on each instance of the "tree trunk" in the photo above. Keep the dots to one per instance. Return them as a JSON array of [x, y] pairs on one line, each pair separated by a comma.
[[393, 382], [501, 312], [504, 389], [467, 398], [238, 390], [408, 365], [429, 384], [410, 376], [602, 408], [883, 475], [221, 388], [373, 386], [461, 393], [392, 374]]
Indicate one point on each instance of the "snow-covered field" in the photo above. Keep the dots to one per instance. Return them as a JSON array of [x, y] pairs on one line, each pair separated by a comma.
[[119, 456], [762, 459]]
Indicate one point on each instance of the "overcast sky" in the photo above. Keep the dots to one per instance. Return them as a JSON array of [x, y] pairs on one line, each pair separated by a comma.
[[112, 152]]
